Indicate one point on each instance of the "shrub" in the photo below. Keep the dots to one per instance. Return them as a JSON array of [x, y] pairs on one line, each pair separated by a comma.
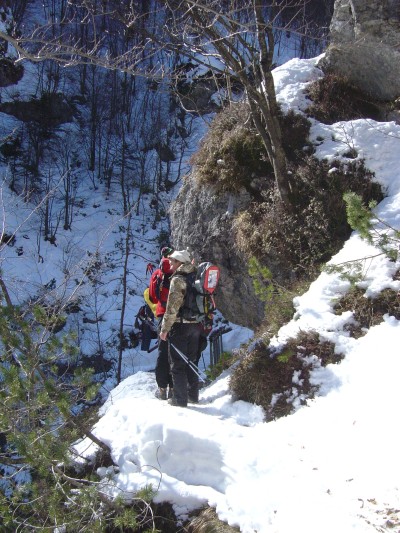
[[298, 242], [334, 99], [231, 154], [278, 300], [295, 133], [368, 312], [280, 382]]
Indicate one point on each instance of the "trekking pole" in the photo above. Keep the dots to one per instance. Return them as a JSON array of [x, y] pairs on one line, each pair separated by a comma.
[[153, 348], [192, 366]]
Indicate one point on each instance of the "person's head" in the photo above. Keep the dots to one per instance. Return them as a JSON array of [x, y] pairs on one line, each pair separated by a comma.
[[165, 266], [179, 257], [166, 251]]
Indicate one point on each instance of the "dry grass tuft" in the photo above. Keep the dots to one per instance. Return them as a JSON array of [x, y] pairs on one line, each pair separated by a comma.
[[368, 312], [208, 522], [279, 381], [335, 99], [231, 155]]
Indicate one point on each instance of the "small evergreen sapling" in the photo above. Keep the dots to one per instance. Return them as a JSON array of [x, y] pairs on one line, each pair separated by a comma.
[[372, 229], [278, 299], [41, 415]]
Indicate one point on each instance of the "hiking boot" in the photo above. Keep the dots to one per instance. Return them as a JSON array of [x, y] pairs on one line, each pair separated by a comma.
[[161, 393], [173, 401], [192, 399], [193, 393]]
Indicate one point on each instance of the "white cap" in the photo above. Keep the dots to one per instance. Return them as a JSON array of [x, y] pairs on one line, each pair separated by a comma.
[[181, 255]]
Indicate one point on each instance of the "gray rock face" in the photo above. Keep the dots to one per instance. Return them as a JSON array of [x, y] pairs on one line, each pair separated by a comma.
[[365, 46], [202, 222]]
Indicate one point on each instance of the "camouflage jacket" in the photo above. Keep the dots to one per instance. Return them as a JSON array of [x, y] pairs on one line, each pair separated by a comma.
[[176, 296]]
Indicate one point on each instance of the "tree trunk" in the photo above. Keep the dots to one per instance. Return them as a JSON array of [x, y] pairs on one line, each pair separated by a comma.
[[250, 61], [124, 294]]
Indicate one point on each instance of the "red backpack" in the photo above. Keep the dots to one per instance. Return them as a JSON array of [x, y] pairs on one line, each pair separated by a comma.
[[159, 284]]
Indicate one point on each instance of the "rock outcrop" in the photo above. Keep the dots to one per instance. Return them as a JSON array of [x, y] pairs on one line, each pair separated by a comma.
[[203, 222], [50, 110], [10, 73], [365, 46]]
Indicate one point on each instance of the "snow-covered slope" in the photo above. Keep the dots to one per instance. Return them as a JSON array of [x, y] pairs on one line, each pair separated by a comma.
[[331, 467]]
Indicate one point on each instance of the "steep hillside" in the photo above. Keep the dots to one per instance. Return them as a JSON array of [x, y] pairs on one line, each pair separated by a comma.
[[91, 162], [321, 456]]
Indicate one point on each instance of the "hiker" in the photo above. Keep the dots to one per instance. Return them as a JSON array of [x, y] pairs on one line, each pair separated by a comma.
[[145, 324], [181, 332], [158, 294]]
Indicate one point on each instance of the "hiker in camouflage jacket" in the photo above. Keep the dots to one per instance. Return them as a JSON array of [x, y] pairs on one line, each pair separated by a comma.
[[180, 333]]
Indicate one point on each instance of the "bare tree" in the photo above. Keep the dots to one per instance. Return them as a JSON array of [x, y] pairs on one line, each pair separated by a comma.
[[233, 39]]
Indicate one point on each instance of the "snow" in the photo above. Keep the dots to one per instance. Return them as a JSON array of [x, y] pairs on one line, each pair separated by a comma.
[[333, 465]]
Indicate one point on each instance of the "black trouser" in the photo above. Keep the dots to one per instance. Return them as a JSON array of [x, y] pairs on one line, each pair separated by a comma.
[[185, 337], [163, 371]]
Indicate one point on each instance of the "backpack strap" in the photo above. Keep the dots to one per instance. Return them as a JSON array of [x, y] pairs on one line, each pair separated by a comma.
[[189, 310]]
